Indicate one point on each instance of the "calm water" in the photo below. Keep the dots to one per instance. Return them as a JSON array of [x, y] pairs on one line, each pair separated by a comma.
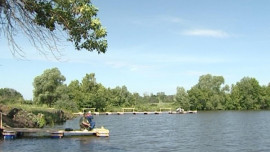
[[202, 132]]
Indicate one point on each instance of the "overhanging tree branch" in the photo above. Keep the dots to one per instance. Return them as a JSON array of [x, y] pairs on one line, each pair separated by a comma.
[[41, 21]]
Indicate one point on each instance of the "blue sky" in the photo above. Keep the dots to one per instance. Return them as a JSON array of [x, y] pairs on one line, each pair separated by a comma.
[[157, 45]]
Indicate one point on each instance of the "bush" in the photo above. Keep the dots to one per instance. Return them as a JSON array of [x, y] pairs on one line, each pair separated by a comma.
[[40, 120], [67, 105]]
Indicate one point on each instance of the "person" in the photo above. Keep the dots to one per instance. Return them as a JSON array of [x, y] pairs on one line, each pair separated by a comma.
[[87, 122], [90, 118]]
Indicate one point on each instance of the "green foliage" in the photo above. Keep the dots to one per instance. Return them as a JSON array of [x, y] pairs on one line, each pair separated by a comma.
[[49, 116], [67, 104], [39, 21], [40, 120], [247, 94], [8, 95], [265, 97], [182, 98], [208, 94], [46, 85]]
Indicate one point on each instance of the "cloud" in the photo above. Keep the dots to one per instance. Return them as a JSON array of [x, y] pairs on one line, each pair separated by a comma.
[[207, 33]]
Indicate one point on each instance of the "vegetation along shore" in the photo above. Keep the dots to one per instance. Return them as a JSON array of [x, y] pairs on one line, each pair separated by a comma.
[[54, 101]]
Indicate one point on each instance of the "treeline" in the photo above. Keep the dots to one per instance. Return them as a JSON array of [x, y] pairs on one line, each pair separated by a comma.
[[49, 88], [210, 93]]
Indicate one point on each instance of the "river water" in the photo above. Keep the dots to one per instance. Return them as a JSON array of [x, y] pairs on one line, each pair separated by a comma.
[[222, 131]]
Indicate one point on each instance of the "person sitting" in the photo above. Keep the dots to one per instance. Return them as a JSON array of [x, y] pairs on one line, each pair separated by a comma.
[[87, 122], [90, 118]]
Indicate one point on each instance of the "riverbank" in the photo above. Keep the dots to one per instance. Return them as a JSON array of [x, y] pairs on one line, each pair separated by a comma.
[[31, 117]]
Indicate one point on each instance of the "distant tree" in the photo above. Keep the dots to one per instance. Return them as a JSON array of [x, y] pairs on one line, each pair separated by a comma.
[[207, 94], [101, 98], [137, 99], [75, 93], [89, 87], [8, 95], [235, 99], [120, 96], [182, 98], [153, 98], [209, 82], [169, 99], [63, 99], [89, 83], [247, 93], [197, 98], [46, 85], [161, 96], [42, 21], [265, 98]]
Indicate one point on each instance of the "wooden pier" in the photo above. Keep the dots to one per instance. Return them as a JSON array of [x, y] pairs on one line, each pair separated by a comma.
[[142, 113], [132, 111], [12, 133]]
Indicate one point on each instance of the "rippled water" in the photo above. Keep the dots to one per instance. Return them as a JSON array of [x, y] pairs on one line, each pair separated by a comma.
[[205, 131]]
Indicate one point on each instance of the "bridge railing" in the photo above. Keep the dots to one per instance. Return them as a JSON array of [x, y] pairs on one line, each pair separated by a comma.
[[170, 109], [133, 109]]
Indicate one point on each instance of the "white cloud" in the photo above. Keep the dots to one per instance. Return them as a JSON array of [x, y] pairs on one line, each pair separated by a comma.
[[207, 33]]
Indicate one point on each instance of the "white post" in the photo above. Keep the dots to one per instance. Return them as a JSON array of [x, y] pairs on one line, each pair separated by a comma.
[[1, 126]]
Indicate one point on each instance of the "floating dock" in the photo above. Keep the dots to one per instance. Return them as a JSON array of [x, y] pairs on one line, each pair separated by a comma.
[[143, 113], [132, 111], [12, 133]]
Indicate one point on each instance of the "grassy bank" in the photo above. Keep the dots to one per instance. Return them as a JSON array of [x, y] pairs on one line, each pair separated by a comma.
[[32, 116]]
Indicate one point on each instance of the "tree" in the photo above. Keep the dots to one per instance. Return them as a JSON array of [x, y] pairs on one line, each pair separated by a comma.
[[182, 99], [247, 93], [89, 83], [8, 95], [41, 21], [45, 86], [207, 94], [265, 98], [75, 93], [101, 98], [209, 82], [63, 99], [89, 87]]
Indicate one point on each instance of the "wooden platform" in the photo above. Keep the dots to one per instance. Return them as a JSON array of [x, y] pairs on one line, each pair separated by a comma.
[[147, 113], [35, 132]]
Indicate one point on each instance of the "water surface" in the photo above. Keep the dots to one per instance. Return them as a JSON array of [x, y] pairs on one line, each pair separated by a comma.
[[206, 131]]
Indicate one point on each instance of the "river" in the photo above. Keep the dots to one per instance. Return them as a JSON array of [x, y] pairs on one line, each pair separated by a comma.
[[222, 131]]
